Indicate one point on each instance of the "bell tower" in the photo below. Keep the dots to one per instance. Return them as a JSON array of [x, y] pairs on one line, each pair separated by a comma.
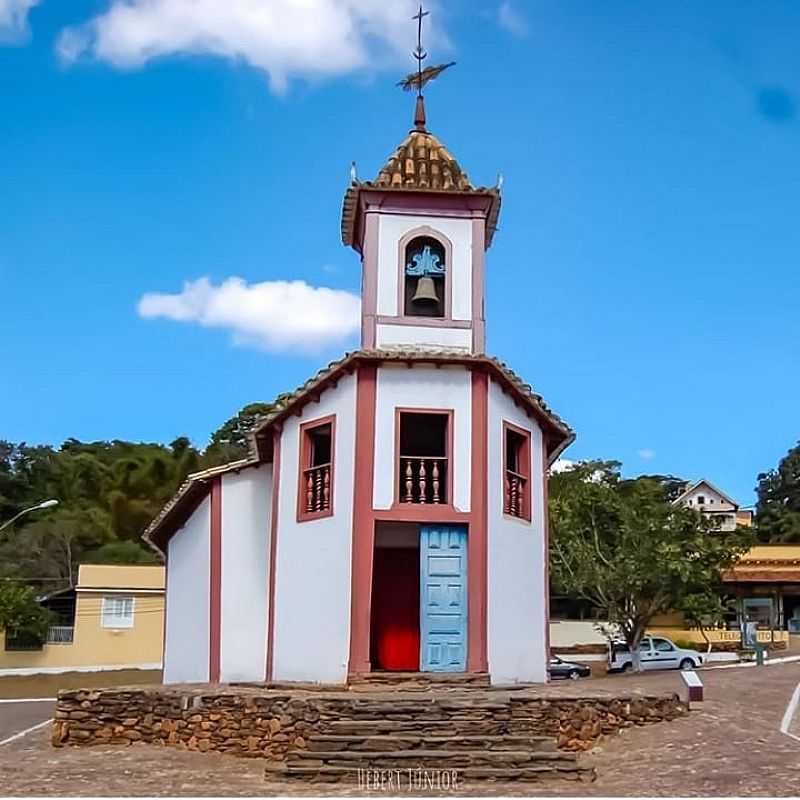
[[422, 230]]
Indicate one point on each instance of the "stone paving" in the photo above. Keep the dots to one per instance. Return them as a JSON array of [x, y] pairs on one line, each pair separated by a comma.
[[729, 745]]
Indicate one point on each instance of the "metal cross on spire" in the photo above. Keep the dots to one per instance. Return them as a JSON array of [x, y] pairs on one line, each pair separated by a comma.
[[416, 80], [419, 53]]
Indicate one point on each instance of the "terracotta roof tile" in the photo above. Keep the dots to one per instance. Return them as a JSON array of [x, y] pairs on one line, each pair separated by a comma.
[[423, 162], [420, 164]]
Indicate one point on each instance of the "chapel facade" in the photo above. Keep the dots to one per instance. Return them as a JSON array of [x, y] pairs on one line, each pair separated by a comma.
[[392, 514]]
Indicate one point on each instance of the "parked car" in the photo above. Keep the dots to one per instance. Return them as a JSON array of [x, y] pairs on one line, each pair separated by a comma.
[[655, 652], [558, 668]]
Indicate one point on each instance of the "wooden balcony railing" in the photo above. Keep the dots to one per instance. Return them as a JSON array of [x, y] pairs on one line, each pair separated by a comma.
[[515, 497], [423, 479], [317, 482]]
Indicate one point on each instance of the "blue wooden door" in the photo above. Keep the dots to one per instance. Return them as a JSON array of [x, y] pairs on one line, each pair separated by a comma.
[[443, 598]]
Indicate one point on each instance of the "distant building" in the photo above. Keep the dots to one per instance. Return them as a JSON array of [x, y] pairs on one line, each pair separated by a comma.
[[113, 619], [706, 498]]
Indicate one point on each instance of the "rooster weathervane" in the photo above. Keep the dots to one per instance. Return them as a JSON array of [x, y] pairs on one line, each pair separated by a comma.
[[417, 80]]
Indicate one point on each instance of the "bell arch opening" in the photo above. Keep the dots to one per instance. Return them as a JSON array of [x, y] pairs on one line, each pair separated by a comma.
[[425, 275]]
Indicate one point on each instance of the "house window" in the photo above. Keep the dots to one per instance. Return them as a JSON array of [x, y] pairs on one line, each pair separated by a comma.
[[701, 500], [315, 490], [425, 277], [516, 471], [423, 469], [117, 612]]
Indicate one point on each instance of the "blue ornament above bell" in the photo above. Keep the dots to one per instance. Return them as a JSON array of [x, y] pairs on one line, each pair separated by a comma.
[[426, 262]]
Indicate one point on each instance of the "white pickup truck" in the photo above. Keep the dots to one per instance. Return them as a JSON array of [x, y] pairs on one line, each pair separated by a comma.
[[655, 652]]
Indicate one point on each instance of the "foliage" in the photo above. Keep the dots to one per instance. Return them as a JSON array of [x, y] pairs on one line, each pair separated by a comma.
[[230, 443], [107, 492], [622, 545], [778, 508], [705, 609], [21, 614]]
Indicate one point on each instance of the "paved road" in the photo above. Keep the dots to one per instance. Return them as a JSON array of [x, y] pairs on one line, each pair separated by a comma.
[[18, 716], [730, 744]]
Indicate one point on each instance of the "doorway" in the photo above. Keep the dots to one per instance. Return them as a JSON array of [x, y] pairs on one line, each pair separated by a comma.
[[395, 620]]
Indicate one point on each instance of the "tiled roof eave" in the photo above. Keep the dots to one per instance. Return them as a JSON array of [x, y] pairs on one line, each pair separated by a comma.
[[192, 491], [351, 209], [317, 384]]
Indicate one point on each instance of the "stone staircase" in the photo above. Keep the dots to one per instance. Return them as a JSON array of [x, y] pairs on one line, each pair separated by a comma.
[[468, 733]]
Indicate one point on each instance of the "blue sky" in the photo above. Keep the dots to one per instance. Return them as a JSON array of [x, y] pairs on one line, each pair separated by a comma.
[[644, 277]]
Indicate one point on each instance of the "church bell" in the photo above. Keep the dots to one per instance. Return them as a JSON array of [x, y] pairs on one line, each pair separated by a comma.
[[426, 291]]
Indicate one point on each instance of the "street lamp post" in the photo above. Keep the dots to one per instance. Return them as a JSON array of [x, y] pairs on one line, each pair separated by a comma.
[[37, 507]]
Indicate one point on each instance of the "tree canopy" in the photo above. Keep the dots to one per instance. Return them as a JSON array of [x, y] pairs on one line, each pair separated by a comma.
[[623, 545], [107, 494], [778, 507]]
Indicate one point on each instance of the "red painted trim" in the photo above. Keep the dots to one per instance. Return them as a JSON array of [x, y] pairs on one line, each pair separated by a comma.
[[478, 285], [363, 521], [449, 506], [273, 550], [215, 579], [546, 522], [447, 245], [524, 470], [427, 512], [477, 537], [304, 449]]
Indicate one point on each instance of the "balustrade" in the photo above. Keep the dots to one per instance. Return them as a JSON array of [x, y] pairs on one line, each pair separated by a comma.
[[317, 482], [423, 479], [515, 494]]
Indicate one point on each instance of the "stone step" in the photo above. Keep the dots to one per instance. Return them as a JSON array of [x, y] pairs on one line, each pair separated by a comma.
[[322, 743], [439, 759], [408, 779], [419, 725], [418, 680]]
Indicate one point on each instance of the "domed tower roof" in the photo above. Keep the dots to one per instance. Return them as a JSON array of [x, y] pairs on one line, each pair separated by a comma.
[[421, 164]]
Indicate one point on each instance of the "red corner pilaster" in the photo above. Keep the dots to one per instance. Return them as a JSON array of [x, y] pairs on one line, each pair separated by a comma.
[[215, 578], [477, 540], [363, 521], [273, 550]]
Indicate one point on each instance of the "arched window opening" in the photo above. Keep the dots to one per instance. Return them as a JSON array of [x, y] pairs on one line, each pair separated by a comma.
[[425, 278]]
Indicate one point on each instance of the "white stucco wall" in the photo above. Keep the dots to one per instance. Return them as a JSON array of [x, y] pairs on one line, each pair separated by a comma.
[[435, 336], [518, 595], [312, 579], [392, 227], [186, 650], [422, 387], [246, 511]]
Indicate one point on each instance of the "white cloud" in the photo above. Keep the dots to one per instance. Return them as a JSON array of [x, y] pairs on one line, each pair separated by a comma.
[[562, 465], [646, 453], [273, 315], [284, 38], [512, 20], [14, 18]]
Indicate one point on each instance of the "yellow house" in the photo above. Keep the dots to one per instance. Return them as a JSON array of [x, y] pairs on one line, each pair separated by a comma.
[[113, 619]]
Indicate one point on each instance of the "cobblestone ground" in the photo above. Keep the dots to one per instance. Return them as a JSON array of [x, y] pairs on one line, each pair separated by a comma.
[[729, 745]]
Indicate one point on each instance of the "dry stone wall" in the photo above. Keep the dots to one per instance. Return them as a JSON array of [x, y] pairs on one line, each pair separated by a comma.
[[261, 723]]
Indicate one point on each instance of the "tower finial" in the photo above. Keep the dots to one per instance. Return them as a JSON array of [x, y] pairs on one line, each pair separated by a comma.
[[416, 80]]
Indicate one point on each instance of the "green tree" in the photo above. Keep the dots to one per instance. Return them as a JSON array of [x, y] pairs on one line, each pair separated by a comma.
[[21, 615], [778, 507], [230, 441], [623, 546], [705, 609]]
